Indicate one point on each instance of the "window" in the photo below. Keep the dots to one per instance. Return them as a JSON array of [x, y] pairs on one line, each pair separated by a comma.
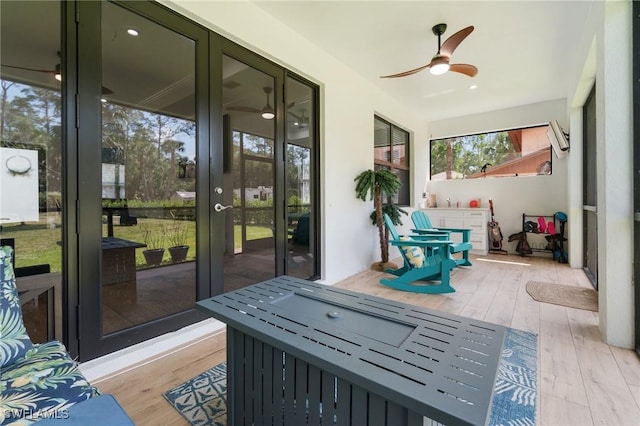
[[391, 151], [516, 152]]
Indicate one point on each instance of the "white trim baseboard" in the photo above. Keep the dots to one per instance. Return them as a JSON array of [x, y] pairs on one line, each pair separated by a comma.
[[152, 349]]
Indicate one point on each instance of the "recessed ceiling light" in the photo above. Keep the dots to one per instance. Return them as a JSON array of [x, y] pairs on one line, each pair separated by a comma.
[[132, 32], [473, 86], [103, 100]]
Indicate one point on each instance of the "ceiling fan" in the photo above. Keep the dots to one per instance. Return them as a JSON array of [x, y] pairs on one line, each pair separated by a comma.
[[301, 121], [440, 62], [56, 72], [267, 111]]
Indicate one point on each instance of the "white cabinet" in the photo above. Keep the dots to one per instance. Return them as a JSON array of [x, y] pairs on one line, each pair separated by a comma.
[[474, 219]]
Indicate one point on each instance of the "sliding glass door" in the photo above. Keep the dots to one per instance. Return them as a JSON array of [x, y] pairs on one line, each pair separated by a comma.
[[144, 192]]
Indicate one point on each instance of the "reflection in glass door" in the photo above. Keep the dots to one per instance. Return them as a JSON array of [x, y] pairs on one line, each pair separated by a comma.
[[300, 182], [249, 175], [31, 158], [148, 154]]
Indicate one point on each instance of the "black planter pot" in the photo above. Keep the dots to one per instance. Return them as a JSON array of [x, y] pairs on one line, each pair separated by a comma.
[[178, 253], [153, 256]]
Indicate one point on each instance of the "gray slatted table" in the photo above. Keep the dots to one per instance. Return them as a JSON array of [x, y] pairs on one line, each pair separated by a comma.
[[305, 353]]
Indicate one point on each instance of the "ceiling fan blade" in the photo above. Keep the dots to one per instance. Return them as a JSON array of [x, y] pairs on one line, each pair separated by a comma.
[[105, 90], [466, 69], [29, 69], [452, 42], [296, 116], [406, 73], [244, 109]]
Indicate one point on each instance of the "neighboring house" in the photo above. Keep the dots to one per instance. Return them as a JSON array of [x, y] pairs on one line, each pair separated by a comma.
[[185, 196], [261, 193]]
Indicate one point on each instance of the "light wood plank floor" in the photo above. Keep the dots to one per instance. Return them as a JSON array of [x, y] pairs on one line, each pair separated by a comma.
[[582, 380]]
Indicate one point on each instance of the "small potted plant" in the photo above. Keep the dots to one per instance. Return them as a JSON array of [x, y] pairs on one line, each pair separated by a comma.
[[177, 237], [154, 240]]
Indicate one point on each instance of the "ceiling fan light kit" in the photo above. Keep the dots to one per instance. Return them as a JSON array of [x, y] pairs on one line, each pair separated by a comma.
[[267, 112], [440, 62], [58, 74], [439, 65]]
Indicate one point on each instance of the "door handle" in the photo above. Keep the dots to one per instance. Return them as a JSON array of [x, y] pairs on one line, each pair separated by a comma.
[[219, 207]]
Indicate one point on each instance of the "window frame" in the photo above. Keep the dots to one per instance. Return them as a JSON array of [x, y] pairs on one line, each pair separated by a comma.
[[482, 172], [403, 198]]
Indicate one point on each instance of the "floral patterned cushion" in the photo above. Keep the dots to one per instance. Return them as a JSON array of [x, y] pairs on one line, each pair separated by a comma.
[[14, 340], [44, 384], [36, 381]]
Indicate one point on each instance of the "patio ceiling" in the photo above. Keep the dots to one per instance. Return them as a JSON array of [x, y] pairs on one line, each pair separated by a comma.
[[523, 49]]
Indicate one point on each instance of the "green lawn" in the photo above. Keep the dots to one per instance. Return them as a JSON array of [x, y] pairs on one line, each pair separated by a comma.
[[38, 242]]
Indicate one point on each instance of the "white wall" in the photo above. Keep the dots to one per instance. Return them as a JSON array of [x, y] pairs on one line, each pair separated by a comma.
[[348, 105], [512, 196], [604, 57], [615, 165]]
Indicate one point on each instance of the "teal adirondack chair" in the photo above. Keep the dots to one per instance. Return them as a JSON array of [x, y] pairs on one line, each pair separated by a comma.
[[427, 263], [423, 226]]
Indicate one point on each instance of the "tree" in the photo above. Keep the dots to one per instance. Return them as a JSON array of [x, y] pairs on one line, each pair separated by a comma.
[[4, 87], [373, 184], [465, 155]]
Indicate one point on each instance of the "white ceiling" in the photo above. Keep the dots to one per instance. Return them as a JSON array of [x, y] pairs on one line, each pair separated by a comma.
[[521, 48]]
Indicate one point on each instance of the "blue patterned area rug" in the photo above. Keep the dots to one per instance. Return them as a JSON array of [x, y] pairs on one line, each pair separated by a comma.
[[515, 391], [202, 400]]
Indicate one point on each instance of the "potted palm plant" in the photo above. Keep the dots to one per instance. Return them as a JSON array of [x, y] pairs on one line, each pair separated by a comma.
[[154, 240], [177, 238], [374, 184]]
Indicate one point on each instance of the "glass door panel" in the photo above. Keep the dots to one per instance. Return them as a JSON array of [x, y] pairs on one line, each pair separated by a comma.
[[149, 193], [300, 155], [249, 176], [31, 160]]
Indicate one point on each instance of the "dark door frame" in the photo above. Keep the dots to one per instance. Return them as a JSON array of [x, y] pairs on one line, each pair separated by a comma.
[[81, 66], [589, 192]]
